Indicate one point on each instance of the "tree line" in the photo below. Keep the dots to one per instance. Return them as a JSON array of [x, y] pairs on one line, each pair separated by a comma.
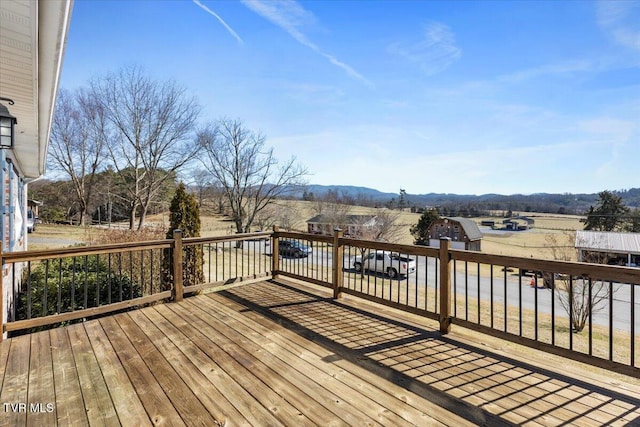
[[120, 144]]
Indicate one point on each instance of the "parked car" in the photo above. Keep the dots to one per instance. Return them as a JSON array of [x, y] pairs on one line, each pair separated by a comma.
[[293, 248], [391, 264], [31, 221]]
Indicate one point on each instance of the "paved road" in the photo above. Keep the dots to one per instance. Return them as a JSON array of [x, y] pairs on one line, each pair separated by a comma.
[[516, 288], [34, 239]]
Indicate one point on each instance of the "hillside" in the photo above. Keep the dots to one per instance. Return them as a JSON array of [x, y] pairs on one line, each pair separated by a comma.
[[541, 202]]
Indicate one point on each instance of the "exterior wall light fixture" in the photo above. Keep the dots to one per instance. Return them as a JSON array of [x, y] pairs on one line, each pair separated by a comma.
[[7, 124]]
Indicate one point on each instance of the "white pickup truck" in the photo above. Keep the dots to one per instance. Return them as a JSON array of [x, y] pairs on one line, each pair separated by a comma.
[[391, 264]]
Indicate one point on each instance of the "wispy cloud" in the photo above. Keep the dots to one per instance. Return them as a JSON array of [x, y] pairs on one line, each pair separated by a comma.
[[291, 17], [434, 52], [621, 19], [215, 15], [567, 68]]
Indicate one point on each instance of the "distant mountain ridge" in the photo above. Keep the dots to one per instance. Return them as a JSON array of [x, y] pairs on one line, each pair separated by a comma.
[[539, 202]]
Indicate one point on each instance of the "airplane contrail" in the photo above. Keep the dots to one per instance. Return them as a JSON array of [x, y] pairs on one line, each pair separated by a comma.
[[215, 15]]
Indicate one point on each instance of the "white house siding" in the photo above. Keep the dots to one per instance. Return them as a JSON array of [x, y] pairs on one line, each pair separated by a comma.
[[34, 37], [13, 230]]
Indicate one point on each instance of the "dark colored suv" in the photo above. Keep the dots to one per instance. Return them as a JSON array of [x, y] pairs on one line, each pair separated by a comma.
[[293, 248]]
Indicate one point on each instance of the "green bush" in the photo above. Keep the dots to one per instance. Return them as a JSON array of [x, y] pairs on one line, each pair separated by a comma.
[[69, 284], [185, 216]]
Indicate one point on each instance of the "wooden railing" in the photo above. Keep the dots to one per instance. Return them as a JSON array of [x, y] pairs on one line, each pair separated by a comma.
[[487, 293], [49, 287]]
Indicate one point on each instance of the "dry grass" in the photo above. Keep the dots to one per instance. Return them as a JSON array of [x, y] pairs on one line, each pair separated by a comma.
[[529, 244], [554, 332]]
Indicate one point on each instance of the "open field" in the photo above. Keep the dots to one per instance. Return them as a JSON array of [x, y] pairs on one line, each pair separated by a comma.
[[532, 243]]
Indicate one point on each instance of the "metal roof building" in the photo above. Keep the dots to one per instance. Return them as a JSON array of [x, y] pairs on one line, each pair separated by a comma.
[[463, 232], [627, 244]]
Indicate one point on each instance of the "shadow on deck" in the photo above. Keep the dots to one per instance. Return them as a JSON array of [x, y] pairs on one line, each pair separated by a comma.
[[273, 354]]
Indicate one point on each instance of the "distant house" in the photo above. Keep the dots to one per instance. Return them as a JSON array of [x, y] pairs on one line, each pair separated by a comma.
[[612, 247], [34, 205], [515, 223], [352, 225], [463, 232]]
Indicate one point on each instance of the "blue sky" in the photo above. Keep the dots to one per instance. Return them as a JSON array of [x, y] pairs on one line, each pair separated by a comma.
[[464, 97]]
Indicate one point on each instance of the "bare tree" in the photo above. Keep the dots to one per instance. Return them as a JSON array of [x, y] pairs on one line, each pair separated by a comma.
[[382, 226], [152, 125], [332, 213], [266, 218], [250, 176], [579, 297], [201, 181], [281, 212], [77, 143]]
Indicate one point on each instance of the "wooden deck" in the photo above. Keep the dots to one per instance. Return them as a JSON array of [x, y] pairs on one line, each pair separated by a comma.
[[270, 354]]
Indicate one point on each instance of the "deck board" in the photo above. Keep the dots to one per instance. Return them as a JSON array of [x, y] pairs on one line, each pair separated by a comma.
[[308, 367], [267, 353], [252, 386], [126, 402], [95, 394], [16, 375], [197, 372], [155, 401], [501, 387], [68, 395], [182, 397], [286, 383], [42, 410], [408, 406]]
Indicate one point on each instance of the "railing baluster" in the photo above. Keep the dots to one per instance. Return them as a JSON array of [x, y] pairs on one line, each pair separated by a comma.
[[553, 313], [86, 282], [28, 289], [73, 285], [633, 325], [131, 263], [590, 290], [520, 303], [97, 280], [59, 306], [506, 315], [570, 312], [491, 294], [46, 287], [535, 305], [109, 279], [142, 281], [610, 320], [151, 273], [120, 290]]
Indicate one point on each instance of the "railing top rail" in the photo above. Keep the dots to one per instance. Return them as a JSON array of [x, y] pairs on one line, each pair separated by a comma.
[[392, 247], [304, 236], [84, 250], [590, 270], [230, 238]]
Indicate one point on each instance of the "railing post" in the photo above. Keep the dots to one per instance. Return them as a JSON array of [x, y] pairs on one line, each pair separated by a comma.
[[275, 252], [337, 263], [178, 288], [445, 286]]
